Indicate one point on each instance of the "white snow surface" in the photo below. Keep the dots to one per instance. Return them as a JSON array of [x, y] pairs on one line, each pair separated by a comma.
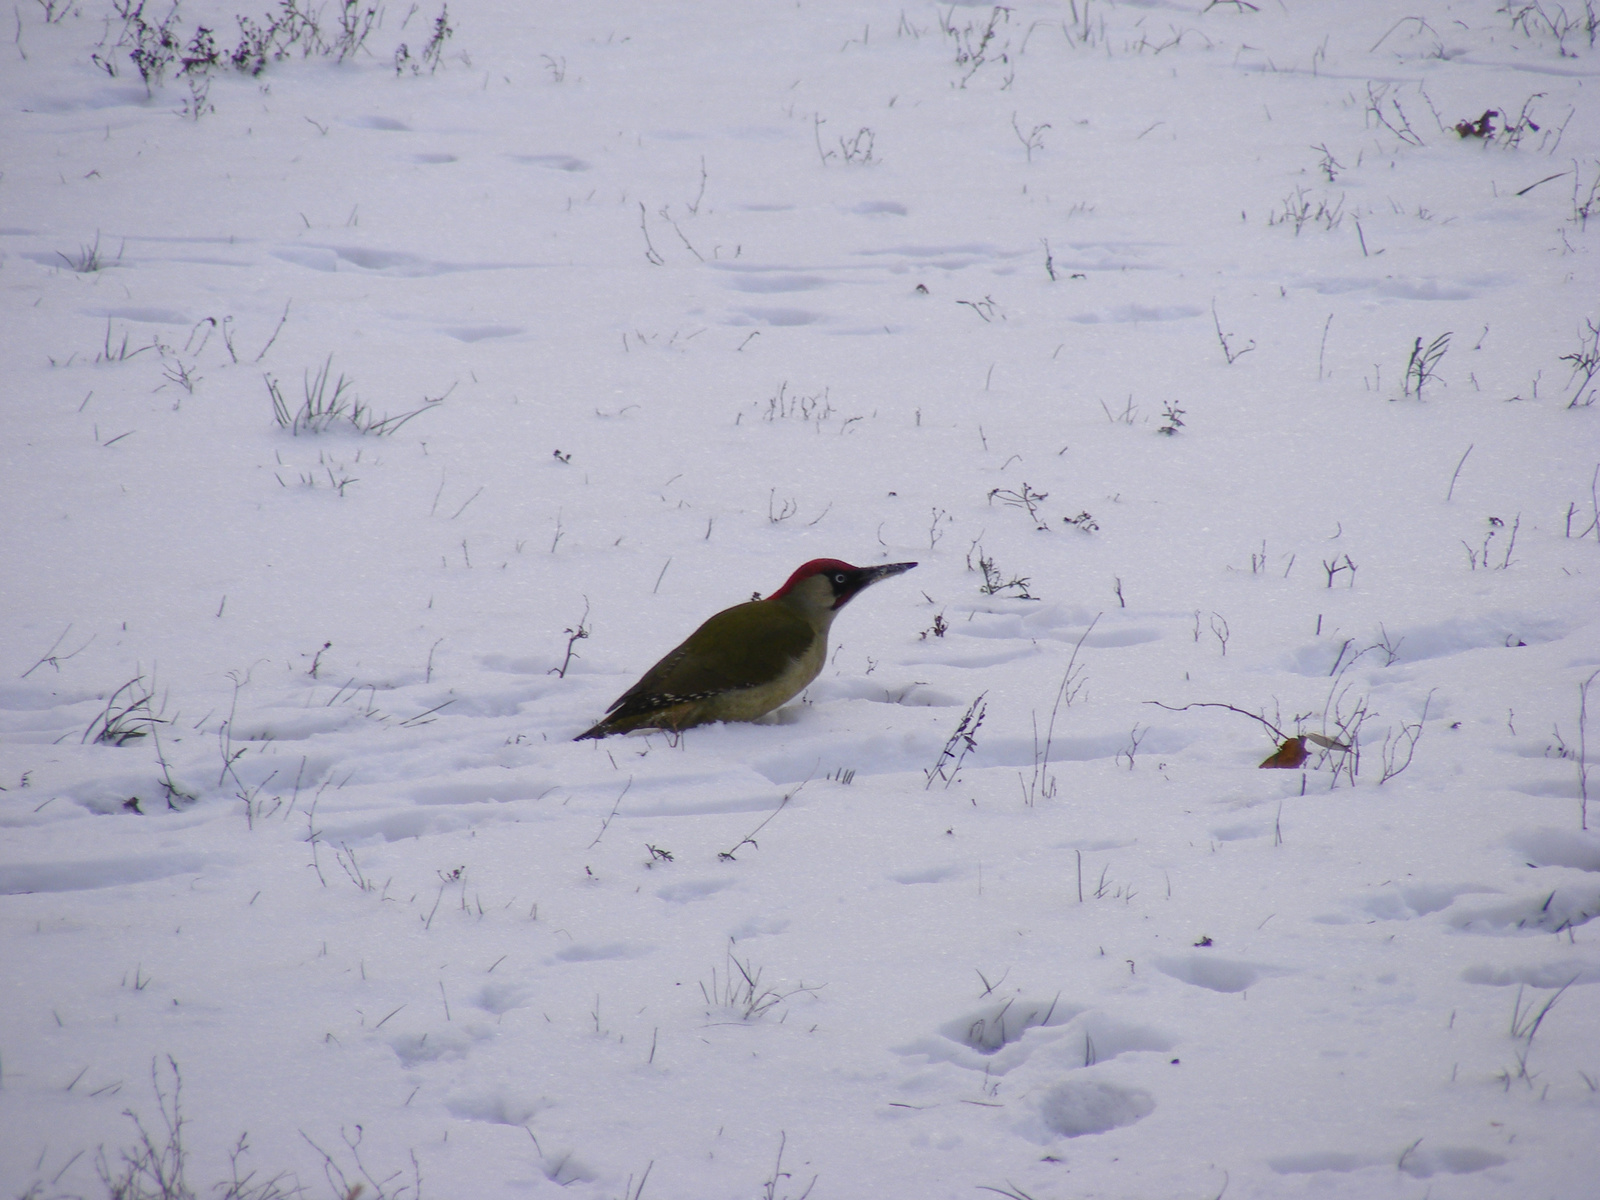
[[707, 291]]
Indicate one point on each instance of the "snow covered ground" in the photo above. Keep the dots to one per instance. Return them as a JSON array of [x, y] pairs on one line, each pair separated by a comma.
[[1189, 348]]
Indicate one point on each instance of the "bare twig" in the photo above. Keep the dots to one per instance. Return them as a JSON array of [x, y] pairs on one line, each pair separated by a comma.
[[1457, 474], [1277, 733], [1422, 367], [650, 254], [55, 660], [1399, 746], [574, 635], [1042, 782], [1228, 352], [960, 744], [606, 824], [1583, 750], [749, 839]]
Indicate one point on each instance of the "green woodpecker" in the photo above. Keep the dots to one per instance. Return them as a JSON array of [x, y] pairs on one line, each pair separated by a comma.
[[747, 660]]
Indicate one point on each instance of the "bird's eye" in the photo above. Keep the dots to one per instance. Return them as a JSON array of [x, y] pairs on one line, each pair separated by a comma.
[[839, 579]]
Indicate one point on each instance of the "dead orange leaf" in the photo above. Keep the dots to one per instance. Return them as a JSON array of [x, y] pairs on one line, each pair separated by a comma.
[[1288, 756]]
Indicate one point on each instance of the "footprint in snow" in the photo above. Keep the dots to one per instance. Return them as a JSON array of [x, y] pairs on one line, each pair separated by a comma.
[[1216, 974], [145, 316], [1084, 1106], [946, 258], [1424, 1163], [494, 1108], [689, 890], [22, 878], [990, 1039], [1390, 288], [936, 874], [1239, 832], [1420, 643], [1404, 901], [438, 1045], [1559, 973], [399, 264], [778, 317], [555, 162], [596, 951], [498, 998], [1000, 1037], [771, 282], [500, 791], [1557, 848], [914, 695], [482, 333], [1555, 911], [1127, 314], [1419, 1163]]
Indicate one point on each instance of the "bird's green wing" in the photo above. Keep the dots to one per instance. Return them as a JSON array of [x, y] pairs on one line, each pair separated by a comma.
[[740, 647]]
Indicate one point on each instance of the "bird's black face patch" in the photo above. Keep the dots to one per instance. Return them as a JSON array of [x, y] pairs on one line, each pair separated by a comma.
[[846, 582]]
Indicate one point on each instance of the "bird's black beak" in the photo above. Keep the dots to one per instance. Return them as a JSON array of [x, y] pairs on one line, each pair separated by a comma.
[[846, 584]]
